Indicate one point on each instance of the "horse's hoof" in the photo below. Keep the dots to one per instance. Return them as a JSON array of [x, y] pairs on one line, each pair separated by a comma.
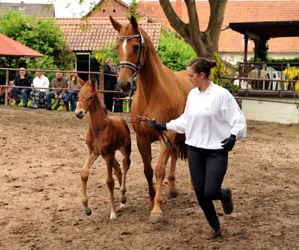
[[173, 193], [88, 211], [156, 217], [112, 216]]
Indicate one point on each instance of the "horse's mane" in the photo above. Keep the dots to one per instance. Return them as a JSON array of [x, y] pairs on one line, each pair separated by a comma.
[[90, 82]]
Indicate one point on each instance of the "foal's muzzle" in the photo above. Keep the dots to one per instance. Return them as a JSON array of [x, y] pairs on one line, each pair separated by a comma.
[[80, 114]]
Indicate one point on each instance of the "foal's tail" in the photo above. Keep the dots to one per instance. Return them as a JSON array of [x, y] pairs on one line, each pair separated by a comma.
[[182, 149]]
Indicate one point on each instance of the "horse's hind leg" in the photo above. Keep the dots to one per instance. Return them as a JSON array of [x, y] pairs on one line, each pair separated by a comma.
[[110, 161], [91, 157], [172, 191]]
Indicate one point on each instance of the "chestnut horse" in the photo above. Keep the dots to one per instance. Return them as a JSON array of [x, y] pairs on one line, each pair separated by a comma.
[[105, 135], [161, 94]]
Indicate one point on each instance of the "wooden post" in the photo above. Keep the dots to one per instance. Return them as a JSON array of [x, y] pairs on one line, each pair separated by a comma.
[[245, 47], [7, 84], [102, 83]]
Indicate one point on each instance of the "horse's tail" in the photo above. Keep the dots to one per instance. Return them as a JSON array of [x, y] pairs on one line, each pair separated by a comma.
[[182, 150]]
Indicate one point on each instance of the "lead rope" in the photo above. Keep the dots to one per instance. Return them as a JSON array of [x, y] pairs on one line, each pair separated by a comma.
[[150, 122]]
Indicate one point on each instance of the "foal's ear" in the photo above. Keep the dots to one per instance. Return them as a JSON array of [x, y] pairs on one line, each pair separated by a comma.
[[94, 83], [81, 82], [134, 22], [116, 25]]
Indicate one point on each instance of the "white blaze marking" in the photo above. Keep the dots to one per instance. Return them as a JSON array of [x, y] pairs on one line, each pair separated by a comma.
[[124, 46]]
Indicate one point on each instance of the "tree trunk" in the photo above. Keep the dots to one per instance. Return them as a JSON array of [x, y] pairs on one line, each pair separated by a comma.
[[204, 43]]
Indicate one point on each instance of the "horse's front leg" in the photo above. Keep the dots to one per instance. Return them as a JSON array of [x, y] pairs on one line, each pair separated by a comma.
[[91, 157], [110, 161], [157, 213], [144, 148]]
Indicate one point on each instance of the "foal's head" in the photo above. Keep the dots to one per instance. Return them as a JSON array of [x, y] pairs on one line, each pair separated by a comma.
[[131, 51], [87, 96]]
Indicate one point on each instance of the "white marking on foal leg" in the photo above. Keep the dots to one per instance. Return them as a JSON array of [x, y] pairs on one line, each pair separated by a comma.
[[122, 205], [112, 215], [124, 46]]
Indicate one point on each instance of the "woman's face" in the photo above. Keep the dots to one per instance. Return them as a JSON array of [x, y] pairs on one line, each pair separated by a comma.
[[194, 78]]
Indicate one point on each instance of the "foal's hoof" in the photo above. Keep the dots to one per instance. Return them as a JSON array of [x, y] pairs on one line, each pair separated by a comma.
[[123, 200], [173, 193], [156, 217], [88, 211]]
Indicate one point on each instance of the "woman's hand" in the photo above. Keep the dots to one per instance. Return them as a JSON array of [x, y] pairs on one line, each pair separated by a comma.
[[229, 143]]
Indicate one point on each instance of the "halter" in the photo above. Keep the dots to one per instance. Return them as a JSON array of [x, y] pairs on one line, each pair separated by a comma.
[[130, 65]]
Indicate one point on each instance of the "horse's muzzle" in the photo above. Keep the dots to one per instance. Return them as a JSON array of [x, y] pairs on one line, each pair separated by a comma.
[[80, 114], [125, 86]]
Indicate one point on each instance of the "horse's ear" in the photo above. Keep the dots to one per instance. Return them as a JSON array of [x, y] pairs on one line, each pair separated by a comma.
[[134, 22], [81, 82], [116, 25], [94, 82]]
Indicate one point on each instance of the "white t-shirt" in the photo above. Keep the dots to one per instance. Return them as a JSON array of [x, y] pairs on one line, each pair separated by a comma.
[[42, 82], [209, 118]]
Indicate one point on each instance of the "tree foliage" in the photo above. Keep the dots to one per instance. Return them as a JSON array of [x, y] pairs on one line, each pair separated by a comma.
[[133, 6], [40, 34], [174, 52], [204, 43]]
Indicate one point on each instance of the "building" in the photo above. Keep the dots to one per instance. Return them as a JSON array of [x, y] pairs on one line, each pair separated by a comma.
[[231, 43], [41, 10]]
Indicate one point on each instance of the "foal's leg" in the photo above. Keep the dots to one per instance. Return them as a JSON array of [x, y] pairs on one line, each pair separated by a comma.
[[91, 157], [126, 151], [110, 161]]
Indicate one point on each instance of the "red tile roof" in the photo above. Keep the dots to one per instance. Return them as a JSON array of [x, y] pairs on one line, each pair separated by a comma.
[[10, 47], [96, 32], [237, 11]]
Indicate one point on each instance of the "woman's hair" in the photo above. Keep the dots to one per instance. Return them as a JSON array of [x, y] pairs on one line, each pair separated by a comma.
[[108, 60], [201, 64]]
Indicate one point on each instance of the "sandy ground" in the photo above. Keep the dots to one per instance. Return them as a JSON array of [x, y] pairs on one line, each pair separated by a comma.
[[40, 203]]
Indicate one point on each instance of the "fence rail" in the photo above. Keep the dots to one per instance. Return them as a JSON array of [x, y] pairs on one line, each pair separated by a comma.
[[101, 83]]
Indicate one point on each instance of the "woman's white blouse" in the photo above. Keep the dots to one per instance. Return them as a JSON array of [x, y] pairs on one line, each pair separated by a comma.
[[209, 118]]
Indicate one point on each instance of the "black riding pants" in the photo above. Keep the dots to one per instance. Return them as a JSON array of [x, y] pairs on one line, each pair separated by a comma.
[[207, 170]]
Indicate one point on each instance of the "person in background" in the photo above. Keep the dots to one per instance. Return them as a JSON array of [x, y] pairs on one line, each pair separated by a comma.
[[60, 89], [73, 90], [23, 79], [110, 83], [212, 122], [39, 96]]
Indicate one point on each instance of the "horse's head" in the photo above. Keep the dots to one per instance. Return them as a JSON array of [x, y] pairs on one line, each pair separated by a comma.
[[86, 96], [131, 52]]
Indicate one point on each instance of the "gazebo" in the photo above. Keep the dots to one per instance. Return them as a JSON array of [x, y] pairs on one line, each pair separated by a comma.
[[13, 49], [258, 30]]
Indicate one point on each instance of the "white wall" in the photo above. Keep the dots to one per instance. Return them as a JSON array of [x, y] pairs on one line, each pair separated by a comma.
[[236, 57], [285, 113]]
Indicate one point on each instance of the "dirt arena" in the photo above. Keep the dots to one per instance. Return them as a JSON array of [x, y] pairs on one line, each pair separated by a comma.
[[40, 204]]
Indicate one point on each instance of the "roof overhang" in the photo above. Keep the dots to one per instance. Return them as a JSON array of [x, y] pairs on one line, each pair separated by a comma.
[[256, 30]]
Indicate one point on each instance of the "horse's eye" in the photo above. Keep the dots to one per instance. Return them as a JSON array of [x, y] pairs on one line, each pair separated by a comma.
[[136, 48], [90, 98]]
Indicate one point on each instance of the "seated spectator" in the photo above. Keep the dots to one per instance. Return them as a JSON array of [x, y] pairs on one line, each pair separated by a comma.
[[60, 93], [23, 79], [72, 92], [39, 96]]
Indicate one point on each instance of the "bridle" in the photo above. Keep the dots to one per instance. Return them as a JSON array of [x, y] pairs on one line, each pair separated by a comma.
[[130, 65]]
